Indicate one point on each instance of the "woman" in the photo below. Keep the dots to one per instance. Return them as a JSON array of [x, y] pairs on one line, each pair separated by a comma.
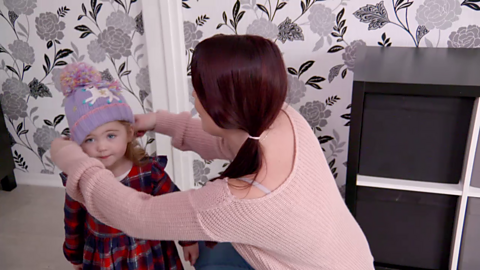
[[277, 201]]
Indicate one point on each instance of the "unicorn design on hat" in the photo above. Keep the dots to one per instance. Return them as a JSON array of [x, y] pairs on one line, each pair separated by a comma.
[[91, 101], [100, 93]]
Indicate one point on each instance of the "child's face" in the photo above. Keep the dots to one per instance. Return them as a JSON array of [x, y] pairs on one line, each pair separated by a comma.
[[108, 143]]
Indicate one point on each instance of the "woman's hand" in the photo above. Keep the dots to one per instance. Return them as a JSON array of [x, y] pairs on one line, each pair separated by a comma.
[[144, 123], [191, 253]]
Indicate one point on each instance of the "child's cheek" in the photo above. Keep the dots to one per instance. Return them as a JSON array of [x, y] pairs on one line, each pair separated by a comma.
[[87, 150]]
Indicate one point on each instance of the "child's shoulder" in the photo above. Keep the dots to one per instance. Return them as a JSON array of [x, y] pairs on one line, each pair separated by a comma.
[[154, 163], [160, 161], [153, 171]]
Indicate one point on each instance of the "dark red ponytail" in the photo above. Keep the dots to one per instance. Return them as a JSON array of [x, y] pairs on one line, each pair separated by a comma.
[[241, 82]]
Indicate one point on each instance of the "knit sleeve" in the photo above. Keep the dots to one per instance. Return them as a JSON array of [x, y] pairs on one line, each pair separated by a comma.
[[162, 184], [172, 216], [74, 221], [188, 135]]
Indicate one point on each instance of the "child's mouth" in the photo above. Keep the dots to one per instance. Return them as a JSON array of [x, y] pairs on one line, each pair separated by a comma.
[[105, 157]]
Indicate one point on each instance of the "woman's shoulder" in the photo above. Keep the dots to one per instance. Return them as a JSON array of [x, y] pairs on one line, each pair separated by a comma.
[[305, 138], [214, 194], [297, 119], [309, 156]]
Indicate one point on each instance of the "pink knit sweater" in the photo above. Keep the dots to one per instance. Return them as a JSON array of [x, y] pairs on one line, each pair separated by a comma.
[[304, 224]]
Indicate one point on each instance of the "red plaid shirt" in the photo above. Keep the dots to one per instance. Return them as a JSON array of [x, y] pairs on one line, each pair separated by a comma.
[[92, 243]]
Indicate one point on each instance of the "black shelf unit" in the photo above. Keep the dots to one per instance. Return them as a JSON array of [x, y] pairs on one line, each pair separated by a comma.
[[413, 121]]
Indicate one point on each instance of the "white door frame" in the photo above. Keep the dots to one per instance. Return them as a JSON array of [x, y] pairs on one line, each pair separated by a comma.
[[163, 22]]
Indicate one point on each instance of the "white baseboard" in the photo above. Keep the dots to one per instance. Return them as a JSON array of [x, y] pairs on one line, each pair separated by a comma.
[[38, 179]]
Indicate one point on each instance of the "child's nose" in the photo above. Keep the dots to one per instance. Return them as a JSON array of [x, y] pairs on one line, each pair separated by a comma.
[[101, 146]]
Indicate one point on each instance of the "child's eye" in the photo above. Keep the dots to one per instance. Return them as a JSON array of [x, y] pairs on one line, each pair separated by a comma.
[[89, 140], [111, 136]]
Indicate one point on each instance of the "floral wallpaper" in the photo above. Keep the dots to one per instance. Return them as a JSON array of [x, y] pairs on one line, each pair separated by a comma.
[[39, 37], [319, 40]]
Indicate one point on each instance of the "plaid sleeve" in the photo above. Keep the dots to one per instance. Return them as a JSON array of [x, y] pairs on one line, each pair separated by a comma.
[[163, 185], [75, 215]]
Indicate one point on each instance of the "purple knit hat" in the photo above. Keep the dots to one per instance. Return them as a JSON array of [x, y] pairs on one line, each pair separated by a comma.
[[89, 101]]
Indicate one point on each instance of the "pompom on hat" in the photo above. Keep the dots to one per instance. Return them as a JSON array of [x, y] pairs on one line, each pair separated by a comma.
[[90, 101]]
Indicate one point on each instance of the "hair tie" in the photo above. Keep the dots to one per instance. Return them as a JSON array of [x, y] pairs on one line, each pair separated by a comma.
[[253, 138]]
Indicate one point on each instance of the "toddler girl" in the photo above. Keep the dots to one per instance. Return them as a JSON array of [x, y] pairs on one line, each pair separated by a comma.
[[101, 121]]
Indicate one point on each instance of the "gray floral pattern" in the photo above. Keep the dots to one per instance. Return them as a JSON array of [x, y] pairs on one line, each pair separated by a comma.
[[115, 42], [96, 53], [49, 26], [21, 6], [14, 105], [296, 90], [44, 136], [264, 28], [14, 85], [120, 20], [44, 171], [316, 113], [465, 37], [375, 15], [200, 172], [143, 80], [56, 82], [349, 55], [33, 52], [139, 24], [56, 79], [193, 111], [38, 89], [439, 14], [106, 75], [192, 35], [22, 51], [321, 20], [319, 25], [289, 30], [319, 41]]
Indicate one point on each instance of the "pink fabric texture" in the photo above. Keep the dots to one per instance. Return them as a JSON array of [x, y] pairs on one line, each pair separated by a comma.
[[304, 224]]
